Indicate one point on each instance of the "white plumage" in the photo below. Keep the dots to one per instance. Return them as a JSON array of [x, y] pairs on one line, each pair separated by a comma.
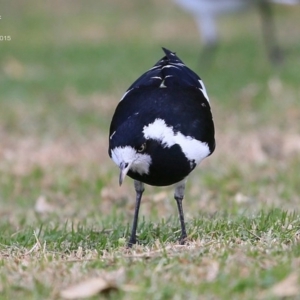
[[195, 151]]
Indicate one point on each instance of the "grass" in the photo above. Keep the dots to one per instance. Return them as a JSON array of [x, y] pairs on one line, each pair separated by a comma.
[[224, 251], [63, 218]]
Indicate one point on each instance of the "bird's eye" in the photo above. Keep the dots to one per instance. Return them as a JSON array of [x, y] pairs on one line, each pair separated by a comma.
[[142, 148]]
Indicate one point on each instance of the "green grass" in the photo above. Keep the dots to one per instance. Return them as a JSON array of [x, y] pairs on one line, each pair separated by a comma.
[[63, 217], [227, 256]]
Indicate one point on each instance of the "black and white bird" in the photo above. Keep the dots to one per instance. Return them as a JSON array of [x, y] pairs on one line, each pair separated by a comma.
[[161, 130]]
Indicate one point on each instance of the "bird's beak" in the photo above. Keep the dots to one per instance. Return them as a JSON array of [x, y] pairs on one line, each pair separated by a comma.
[[124, 168]]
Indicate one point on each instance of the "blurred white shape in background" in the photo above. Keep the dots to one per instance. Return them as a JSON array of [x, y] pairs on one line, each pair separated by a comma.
[[206, 12]]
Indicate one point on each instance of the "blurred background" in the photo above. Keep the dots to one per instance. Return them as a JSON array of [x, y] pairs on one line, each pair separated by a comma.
[[64, 65]]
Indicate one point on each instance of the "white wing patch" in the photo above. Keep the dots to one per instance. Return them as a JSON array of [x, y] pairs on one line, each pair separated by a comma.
[[193, 149], [112, 135], [203, 90], [126, 94], [170, 66]]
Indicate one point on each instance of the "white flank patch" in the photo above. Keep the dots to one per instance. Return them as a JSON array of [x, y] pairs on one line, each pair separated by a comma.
[[203, 90], [140, 163], [193, 149]]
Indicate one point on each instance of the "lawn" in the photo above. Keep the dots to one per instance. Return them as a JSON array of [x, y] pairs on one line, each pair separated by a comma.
[[64, 220]]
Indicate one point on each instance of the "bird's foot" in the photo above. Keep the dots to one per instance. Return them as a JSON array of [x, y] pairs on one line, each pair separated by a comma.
[[132, 241], [182, 239]]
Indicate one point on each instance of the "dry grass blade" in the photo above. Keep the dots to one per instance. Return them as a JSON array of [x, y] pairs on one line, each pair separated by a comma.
[[37, 246]]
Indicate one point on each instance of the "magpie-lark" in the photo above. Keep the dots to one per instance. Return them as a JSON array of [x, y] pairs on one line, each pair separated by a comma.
[[161, 129]]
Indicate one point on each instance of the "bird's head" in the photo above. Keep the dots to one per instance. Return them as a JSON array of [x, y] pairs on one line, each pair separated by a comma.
[[129, 150]]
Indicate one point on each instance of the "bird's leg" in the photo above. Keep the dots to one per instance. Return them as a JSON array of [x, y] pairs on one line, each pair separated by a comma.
[[179, 194], [139, 189], [268, 27]]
